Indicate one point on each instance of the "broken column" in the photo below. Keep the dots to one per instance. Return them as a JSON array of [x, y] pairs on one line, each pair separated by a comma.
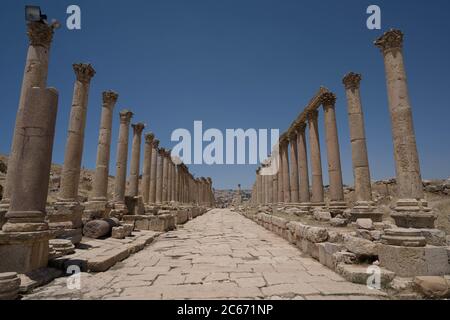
[[336, 192], [317, 198], [411, 210], [24, 240], [97, 206], [120, 181], [147, 167], [65, 217], [364, 206]]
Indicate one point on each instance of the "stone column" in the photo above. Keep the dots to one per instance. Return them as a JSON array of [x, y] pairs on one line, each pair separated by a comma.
[[70, 176], [100, 185], [165, 186], [285, 171], [304, 195], [337, 202], [412, 210], [293, 167], [317, 199], [65, 218], [275, 188], [160, 174], [364, 206], [40, 36], [147, 168], [135, 159], [259, 186], [174, 182], [24, 239], [154, 170], [122, 158]]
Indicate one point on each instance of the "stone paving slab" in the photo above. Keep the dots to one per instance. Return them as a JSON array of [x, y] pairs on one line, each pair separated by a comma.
[[220, 255]]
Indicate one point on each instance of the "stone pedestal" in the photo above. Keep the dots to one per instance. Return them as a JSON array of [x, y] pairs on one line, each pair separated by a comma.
[[65, 221]]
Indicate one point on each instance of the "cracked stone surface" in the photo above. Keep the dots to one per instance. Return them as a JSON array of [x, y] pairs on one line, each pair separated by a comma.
[[220, 255]]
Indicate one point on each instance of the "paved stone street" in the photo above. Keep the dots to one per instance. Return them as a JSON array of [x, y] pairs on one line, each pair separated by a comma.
[[220, 255]]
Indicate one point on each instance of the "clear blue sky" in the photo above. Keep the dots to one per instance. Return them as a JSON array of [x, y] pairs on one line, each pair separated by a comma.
[[239, 64]]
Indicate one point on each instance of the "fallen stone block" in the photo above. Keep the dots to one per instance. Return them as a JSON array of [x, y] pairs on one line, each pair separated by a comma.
[[326, 252], [9, 286], [361, 274], [118, 233], [316, 234], [432, 287], [361, 247]]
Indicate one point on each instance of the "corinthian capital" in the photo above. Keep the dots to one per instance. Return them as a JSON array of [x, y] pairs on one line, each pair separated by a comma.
[[125, 116], [390, 40], [328, 99], [149, 138], [40, 34], [84, 72], [312, 115], [138, 128], [110, 98], [352, 80], [301, 128], [155, 143]]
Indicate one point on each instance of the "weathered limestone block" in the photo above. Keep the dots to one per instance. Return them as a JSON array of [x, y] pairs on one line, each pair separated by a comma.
[[118, 232], [361, 247], [65, 221], [128, 229], [366, 224], [100, 228], [434, 237], [94, 210], [279, 226], [326, 251], [372, 235], [338, 222], [343, 257], [432, 287], [316, 234], [181, 216], [360, 274], [9, 286], [415, 261], [335, 236], [310, 248], [321, 215]]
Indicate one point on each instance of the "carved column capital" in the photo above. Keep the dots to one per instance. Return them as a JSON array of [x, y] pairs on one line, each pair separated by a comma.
[[84, 72], [110, 97], [292, 137], [149, 138], [328, 99], [301, 128], [352, 80], [390, 40], [40, 34], [138, 128], [125, 116], [156, 143]]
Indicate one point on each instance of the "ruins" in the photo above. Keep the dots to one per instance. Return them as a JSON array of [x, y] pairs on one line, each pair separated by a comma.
[[150, 203]]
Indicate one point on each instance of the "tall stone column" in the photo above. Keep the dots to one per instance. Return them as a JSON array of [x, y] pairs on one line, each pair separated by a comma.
[[154, 170], [147, 168], [40, 36], [412, 210], [364, 206], [304, 195], [293, 167], [24, 240], [258, 187], [70, 176], [174, 182], [120, 182], [275, 188], [337, 202], [65, 218], [285, 171], [100, 185], [166, 171], [317, 199], [159, 177], [135, 159]]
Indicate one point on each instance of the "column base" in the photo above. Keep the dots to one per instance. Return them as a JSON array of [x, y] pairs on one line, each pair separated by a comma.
[[23, 252], [411, 213], [96, 210], [404, 238], [365, 210], [337, 207], [65, 221], [3, 210], [25, 221]]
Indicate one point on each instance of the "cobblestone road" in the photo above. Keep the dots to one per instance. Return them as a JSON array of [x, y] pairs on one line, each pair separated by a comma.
[[220, 255]]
